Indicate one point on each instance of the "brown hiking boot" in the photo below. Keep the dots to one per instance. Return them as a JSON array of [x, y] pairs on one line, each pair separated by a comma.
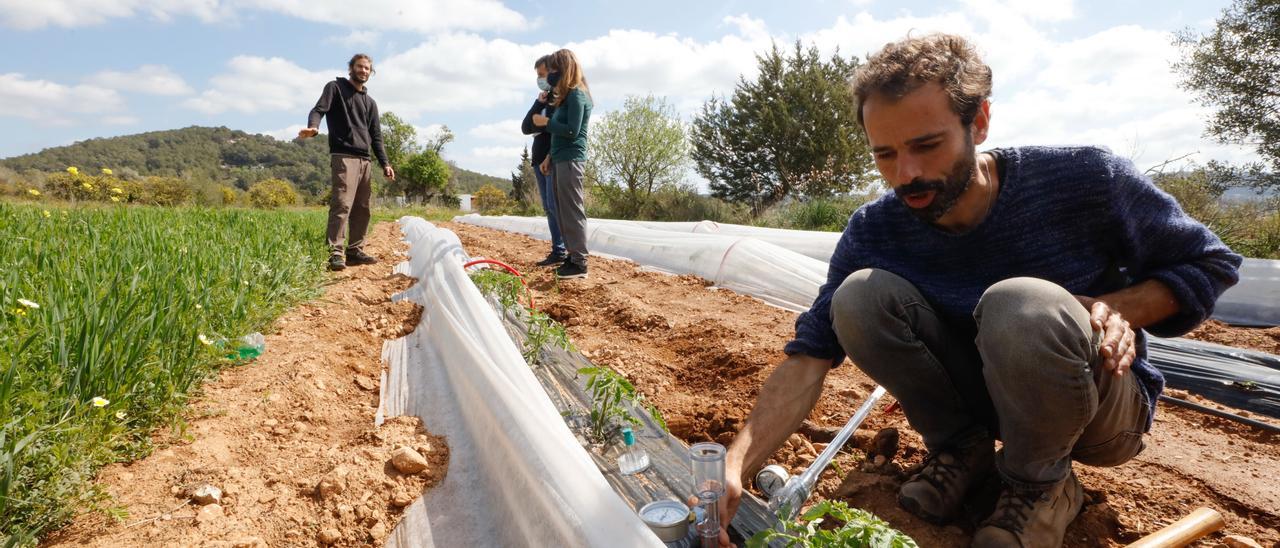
[[1032, 518], [938, 490]]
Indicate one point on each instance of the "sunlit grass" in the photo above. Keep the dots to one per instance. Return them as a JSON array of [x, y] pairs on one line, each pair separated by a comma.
[[109, 318]]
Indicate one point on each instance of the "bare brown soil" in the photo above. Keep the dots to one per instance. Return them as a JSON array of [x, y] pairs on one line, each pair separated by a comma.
[[288, 438], [701, 355]]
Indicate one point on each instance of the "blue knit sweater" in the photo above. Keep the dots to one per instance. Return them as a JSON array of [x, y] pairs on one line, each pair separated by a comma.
[[1082, 218]]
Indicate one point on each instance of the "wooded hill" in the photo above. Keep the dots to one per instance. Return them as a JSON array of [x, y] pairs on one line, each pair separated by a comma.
[[216, 154]]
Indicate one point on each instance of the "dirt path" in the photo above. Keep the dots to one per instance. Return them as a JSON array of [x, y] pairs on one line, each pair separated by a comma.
[[288, 438], [701, 356]]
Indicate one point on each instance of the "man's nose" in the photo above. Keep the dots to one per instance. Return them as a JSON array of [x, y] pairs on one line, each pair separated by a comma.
[[908, 169]]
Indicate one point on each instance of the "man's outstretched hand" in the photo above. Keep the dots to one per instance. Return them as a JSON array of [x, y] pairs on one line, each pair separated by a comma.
[[307, 132]]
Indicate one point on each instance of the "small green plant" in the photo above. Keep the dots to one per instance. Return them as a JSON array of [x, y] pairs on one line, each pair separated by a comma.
[[543, 330], [860, 529], [540, 329], [610, 392]]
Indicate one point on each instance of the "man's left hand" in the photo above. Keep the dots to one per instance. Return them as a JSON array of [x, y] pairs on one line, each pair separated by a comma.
[[389, 173], [1118, 350]]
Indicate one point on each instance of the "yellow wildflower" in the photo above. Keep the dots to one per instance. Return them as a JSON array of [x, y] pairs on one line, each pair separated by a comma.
[[72, 170], [198, 307], [46, 213], [115, 198], [88, 186], [117, 190], [106, 171], [20, 312], [33, 192], [99, 401], [28, 304], [204, 340]]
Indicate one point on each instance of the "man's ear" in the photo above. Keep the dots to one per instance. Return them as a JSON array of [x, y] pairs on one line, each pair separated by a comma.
[[981, 123]]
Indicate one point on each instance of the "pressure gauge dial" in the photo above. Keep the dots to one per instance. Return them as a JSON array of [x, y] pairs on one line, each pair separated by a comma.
[[771, 479], [669, 519]]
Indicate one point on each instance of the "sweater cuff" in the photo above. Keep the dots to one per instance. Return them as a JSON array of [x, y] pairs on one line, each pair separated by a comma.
[[1195, 295]]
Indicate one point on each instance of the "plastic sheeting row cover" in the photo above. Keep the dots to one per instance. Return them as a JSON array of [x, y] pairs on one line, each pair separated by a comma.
[[517, 475], [747, 265], [1254, 302]]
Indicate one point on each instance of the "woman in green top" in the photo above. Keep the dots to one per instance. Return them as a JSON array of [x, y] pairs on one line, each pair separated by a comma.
[[568, 129]]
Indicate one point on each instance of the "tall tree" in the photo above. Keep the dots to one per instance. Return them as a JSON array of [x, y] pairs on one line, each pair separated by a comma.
[[639, 149], [524, 185], [792, 131], [399, 138], [424, 174], [1235, 69]]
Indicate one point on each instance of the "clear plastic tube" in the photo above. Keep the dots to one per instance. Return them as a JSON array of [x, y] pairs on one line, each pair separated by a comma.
[[707, 461]]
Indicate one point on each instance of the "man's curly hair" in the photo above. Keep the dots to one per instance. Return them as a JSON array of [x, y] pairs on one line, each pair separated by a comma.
[[903, 66]]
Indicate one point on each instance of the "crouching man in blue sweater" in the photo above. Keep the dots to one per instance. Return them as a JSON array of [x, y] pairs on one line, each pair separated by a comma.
[[1002, 295]]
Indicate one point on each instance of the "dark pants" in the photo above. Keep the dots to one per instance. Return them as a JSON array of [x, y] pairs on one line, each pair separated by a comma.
[[547, 193], [349, 202], [1032, 376]]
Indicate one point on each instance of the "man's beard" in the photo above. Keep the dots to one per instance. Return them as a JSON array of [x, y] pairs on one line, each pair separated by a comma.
[[947, 191], [357, 78]]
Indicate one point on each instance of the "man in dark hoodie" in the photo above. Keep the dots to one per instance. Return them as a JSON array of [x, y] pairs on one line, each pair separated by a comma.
[[541, 147], [353, 131]]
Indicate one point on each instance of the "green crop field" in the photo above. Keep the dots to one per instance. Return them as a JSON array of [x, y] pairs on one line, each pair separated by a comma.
[[109, 318]]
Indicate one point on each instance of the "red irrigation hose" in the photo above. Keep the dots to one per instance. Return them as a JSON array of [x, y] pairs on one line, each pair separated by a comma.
[[513, 271]]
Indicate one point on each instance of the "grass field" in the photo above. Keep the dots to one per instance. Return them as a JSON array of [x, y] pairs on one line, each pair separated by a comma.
[[111, 316]]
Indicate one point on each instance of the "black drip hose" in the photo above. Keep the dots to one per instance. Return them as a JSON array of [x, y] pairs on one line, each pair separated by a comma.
[[1219, 413]]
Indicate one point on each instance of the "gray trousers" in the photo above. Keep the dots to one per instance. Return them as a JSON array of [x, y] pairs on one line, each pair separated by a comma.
[[1031, 377], [571, 209], [348, 202]]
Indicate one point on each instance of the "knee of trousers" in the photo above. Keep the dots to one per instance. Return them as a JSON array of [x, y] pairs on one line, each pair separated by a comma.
[[1019, 317], [867, 302]]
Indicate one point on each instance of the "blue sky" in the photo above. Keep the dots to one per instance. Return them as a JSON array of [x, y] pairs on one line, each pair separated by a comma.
[[1067, 72]]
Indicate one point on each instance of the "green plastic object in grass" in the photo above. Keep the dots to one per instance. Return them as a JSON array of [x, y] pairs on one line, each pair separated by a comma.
[[859, 528], [250, 346]]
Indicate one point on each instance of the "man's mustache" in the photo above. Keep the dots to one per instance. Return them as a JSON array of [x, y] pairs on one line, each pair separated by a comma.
[[917, 186]]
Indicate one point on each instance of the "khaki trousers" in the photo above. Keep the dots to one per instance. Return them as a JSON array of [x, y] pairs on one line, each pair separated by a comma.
[[348, 202]]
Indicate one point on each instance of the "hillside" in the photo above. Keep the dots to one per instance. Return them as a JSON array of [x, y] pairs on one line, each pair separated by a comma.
[[214, 154]]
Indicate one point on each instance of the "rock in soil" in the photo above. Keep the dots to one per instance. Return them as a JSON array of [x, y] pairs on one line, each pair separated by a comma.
[[328, 535], [209, 514], [1237, 541], [206, 494], [407, 461]]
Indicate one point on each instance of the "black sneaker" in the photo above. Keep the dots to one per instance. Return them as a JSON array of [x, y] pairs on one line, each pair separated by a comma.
[[570, 270], [358, 257], [336, 263], [551, 260]]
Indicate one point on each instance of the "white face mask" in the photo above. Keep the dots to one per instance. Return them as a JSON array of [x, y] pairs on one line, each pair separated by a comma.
[[543, 85]]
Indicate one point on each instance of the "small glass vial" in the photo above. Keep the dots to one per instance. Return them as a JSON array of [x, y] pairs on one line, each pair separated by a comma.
[[633, 459]]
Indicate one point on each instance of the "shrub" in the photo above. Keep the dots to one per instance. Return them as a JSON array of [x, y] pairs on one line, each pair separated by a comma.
[[163, 191], [272, 193], [491, 200], [229, 195]]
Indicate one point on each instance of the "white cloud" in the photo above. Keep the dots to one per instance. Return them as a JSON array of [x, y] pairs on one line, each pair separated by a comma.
[[356, 39], [506, 132], [27, 15], [423, 16], [258, 84], [52, 102], [148, 79], [498, 161]]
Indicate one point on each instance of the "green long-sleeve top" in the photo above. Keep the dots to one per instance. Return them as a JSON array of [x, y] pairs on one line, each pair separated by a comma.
[[568, 128]]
